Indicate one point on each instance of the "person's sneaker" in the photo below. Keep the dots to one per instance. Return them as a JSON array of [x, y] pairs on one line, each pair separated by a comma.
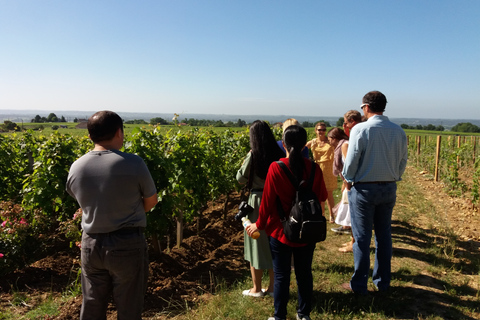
[[303, 318], [253, 294], [342, 229]]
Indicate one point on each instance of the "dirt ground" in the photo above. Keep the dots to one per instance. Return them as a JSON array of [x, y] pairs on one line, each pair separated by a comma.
[[190, 272], [183, 274]]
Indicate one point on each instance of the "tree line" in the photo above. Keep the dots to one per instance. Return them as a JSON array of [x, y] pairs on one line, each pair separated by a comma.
[[466, 127], [429, 127], [459, 127], [52, 117]]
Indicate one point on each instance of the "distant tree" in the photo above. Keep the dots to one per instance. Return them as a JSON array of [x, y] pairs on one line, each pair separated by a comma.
[[241, 123], [405, 126], [429, 127], [307, 124], [37, 119], [9, 126], [136, 121], [75, 120], [158, 120], [440, 128], [419, 127], [52, 117], [340, 122], [62, 119], [465, 127], [219, 123]]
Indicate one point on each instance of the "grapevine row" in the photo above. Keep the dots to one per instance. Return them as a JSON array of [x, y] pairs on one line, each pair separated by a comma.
[[189, 168]]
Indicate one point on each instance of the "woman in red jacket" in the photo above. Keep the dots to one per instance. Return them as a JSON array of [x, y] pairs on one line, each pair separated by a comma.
[[278, 185]]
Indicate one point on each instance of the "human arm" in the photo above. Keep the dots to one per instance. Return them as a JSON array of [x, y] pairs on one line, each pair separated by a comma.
[[353, 155], [150, 202], [244, 172], [148, 190], [403, 161], [309, 144], [344, 153]]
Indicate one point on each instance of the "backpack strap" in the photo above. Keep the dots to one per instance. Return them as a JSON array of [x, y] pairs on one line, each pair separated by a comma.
[[312, 175], [293, 180], [289, 174]]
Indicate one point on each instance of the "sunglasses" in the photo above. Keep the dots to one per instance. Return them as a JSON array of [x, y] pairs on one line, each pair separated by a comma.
[[363, 105], [321, 129]]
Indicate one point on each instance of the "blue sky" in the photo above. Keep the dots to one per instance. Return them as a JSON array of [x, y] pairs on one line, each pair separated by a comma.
[[313, 58]]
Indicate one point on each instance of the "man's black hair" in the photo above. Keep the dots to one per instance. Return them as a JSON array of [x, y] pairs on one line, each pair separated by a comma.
[[376, 101], [103, 125]]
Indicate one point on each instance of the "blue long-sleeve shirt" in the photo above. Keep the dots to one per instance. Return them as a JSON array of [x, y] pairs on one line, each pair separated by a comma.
[[377, 151]]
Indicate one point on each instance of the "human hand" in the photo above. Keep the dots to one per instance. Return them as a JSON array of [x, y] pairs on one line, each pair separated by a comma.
[[251, 229]]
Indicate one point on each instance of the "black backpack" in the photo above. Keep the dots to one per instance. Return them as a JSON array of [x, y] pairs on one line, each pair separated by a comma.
[[306, 223]]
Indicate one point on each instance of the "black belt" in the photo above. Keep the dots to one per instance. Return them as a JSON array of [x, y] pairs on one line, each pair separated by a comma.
[[377, 182], [122, 231]]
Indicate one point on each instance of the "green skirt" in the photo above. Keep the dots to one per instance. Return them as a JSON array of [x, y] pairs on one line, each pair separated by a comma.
[[257, 252]]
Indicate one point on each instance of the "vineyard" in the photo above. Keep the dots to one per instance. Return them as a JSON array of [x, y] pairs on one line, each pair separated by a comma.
[[453, 160], [192, 170]]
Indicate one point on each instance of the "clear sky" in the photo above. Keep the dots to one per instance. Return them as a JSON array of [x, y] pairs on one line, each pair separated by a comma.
[[241, 57]]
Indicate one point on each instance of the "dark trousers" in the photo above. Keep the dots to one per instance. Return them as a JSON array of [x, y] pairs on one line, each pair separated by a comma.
[[114, 263], [371, 207], [282, 259]]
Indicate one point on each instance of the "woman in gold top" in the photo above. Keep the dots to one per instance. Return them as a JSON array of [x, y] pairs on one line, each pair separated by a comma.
[[323, 155]]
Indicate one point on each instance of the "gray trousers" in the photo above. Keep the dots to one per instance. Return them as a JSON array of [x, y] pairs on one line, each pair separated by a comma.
[[114, 263]]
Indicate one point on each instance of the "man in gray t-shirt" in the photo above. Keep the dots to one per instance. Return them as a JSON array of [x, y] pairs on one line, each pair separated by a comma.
[[114, 190]]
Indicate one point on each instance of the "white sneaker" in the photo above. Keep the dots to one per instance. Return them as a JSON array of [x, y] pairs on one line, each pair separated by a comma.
[[253, 294], [303, 318]]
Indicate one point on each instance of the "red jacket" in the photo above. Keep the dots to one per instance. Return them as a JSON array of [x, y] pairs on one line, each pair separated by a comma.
[[278, 184]]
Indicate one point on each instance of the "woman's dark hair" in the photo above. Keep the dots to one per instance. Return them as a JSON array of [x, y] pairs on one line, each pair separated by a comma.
[[337, 133], [265, 149], [295, 139], [103, 125]]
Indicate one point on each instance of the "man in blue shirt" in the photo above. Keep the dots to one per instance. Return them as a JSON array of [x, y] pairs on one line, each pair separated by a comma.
[[376, 159]]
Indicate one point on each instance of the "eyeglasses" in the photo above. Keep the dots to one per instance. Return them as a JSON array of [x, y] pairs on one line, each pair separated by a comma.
[[363, 105], [321, 129]]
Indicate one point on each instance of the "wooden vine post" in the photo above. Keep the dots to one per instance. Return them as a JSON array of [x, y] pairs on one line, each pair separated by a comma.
[[419, 139], [474, 143], [459, 142], [437, 157], [179, 228]]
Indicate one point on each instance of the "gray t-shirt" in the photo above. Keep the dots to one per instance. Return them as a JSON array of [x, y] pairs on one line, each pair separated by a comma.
[[110, 187]]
